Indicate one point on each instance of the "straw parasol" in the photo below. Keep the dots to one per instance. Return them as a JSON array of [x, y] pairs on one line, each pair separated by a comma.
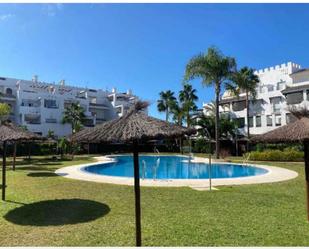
[[133, 128], [12, 133], [297, 131]]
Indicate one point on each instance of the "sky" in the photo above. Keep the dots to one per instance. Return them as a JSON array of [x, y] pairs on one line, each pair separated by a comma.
[[145, 47]]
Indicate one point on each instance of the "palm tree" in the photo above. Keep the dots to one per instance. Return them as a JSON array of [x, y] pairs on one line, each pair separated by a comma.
[[62, 145], [166, 102], [246, 81], [207, 126], [178, 113], [187, 98], [50, 134], [74, 115], [214, 69]]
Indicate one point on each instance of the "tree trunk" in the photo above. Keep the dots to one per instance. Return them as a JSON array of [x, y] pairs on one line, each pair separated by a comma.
[[14, 155], [188, 119], [236, 144], [29, 151], [248, 127], [306, 150], [3, 170], [137, 195], [217, 117], [167, 114]]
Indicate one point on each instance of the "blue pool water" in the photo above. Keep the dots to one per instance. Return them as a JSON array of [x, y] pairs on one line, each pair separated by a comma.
[[172, 167]]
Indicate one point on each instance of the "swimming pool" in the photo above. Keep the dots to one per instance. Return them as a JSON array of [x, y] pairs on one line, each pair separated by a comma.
[[172, 167]]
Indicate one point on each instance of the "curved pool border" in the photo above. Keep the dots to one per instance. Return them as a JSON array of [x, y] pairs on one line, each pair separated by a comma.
[[274, 174]]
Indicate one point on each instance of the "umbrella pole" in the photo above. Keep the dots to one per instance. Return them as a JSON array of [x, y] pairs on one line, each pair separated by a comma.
[[306, 150], [3, 170], [137, 195]]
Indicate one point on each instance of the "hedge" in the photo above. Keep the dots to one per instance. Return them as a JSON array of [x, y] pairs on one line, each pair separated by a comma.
[[277, 155]]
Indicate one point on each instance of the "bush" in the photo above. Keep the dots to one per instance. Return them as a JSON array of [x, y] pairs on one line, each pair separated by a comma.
[[281, 146], [201, 146], [288, 154]]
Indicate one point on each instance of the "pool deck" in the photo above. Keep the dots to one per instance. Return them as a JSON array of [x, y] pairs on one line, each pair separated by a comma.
[[274, 174]]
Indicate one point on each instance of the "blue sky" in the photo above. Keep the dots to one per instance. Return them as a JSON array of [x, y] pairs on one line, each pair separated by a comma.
[[145, 47]]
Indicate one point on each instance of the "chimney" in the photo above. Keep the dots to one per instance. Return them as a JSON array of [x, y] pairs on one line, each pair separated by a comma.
[[62, 82], [35, 78], [129, 92], [114, 90]]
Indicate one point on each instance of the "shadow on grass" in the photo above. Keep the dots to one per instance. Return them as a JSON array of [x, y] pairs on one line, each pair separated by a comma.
[[41, 174], [57, 212], [47, 163]]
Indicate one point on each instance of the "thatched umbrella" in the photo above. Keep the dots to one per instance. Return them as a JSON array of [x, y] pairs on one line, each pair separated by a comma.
[[12, 133], [134, 127], [297, 131]]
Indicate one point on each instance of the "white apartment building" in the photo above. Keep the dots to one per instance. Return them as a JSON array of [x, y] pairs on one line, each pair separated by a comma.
[[40, 106], [279, 87]]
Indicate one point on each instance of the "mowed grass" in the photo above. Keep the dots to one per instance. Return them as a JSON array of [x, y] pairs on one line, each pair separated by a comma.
[[43, 209]]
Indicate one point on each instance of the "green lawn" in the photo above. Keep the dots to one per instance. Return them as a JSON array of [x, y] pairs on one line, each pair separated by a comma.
[[43, 209]]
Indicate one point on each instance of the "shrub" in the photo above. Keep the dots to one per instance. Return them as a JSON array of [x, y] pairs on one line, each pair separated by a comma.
[[288, 154], [201, 146], [281, 146]]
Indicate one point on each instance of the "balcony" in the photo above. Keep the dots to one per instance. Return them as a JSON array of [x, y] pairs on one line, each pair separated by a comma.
[[31, 103], [33, 118], [6, 96], [98, 106]]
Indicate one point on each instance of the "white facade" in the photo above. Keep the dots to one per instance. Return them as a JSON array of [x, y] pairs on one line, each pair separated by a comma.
[[40, 106], [279, 87]]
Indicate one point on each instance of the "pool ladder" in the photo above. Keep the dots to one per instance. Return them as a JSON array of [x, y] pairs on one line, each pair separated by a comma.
[[154, 169], [144, 170], [246, 159]]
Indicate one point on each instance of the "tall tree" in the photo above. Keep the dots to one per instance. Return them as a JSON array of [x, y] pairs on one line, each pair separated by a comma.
[[245, 80], [214, 69], [187, 98], [206, 125], [166, 102], [74, 115], [178, 113]]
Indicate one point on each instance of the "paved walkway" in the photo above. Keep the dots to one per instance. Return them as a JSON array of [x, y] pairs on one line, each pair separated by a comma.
[[274, 174]]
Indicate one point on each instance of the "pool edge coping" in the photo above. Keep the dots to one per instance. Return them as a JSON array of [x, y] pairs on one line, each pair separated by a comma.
[[274, 174]]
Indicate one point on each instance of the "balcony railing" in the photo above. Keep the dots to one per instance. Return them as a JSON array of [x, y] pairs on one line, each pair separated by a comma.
[[5, 95]]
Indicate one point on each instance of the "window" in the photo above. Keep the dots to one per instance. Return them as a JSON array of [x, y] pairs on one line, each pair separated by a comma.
[[261, 89], [280, 85], [50, 103], [239, 106], [278, 120], [290, 118], [32, 119], [258, 121], [294, 98], [270, 88], [240, 122], [9, 91], [250, 121], [269, 120], [51, 120], [275, 102], [256, 106]]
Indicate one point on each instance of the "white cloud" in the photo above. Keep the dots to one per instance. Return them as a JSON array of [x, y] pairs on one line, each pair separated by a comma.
[[5, 17]]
